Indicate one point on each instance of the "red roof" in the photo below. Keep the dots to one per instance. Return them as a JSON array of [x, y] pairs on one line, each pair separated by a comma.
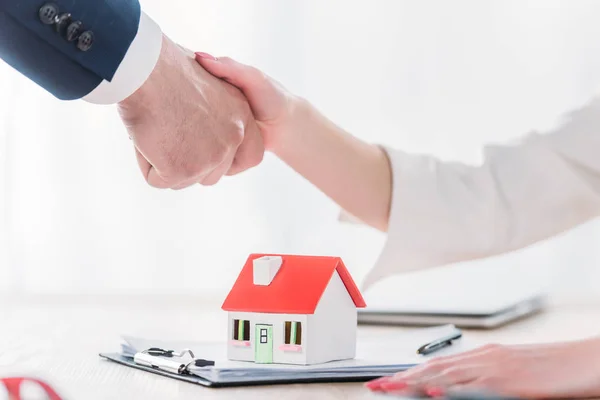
[[296, 288]]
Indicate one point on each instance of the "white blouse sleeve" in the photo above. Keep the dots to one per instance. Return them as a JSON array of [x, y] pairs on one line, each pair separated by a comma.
[[445, 212]]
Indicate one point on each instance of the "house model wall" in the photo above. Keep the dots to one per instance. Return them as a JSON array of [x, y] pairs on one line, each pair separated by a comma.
[[293, 310]]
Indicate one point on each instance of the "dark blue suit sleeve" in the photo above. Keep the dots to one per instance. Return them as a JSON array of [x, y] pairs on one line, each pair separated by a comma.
[[68, 69]]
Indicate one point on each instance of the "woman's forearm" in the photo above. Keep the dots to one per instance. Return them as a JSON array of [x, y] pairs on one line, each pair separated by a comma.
[[355, 174]]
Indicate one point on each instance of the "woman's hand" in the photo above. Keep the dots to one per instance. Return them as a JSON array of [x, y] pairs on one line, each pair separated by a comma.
[[355, 174], [274, 108], [561, 370]]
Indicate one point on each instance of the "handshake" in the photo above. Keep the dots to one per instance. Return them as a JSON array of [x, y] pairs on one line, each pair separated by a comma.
[[193, 124], [198, 118]]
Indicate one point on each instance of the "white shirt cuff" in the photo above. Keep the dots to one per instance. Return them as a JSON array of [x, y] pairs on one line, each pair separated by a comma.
[[136, 67]]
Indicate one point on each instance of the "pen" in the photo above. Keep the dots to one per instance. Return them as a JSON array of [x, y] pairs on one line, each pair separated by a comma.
[[439, 343]]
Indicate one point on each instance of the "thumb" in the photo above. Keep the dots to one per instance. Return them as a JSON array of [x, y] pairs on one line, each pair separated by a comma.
[[263, 95], [251, 151]]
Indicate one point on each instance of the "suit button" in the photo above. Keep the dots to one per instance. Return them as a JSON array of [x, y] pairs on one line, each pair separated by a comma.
[[48, 12], [73, 31], [62, 21], [85, 41]]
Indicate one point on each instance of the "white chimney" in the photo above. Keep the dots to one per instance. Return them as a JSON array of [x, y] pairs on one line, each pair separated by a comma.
[[265, 269]]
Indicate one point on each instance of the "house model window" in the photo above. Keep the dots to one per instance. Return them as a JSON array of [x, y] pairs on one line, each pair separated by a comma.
[[241, 330], [293, 333], [264, 337]]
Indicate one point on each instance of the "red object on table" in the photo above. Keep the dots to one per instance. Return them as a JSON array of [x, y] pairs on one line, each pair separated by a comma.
[[13, 387]]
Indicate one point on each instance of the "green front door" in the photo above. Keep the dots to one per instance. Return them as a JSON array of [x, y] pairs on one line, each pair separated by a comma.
[[263, 344]]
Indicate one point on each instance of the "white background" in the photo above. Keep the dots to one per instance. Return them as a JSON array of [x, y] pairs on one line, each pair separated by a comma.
[[443, 77]]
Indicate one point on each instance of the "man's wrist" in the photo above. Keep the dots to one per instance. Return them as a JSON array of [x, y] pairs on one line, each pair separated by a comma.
[[136, 67], [150, 90]]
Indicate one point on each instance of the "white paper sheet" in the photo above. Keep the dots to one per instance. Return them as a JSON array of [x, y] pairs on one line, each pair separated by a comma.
[[388, 352]]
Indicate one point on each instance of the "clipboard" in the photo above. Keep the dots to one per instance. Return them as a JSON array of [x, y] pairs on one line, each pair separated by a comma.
[[126, 361], [214, 370]]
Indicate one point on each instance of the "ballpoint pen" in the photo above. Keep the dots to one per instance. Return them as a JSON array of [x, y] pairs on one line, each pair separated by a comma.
[[439, 343]]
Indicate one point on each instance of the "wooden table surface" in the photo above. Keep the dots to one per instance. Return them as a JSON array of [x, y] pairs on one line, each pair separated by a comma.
[[59, 338]]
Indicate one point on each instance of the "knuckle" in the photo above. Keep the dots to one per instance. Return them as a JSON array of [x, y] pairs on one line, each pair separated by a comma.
[[215, 158], [237, 136], [212, 179], [157, 182], [192, 166], [169, 165], [434, 366], [256, 158], [233, 139], [258, 76], [175, 174], [452, 373]]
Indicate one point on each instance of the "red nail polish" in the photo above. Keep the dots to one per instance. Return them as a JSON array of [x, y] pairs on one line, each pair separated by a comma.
[[394, 385], [376, 384], [434, 392], [206, 55]]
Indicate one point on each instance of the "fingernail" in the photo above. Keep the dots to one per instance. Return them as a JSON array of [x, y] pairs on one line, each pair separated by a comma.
[[376, 384], [206, 56], [434, 392], [394, 385]]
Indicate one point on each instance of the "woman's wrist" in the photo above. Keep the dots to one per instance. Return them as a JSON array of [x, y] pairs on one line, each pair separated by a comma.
[[300, 120], [353, 173]]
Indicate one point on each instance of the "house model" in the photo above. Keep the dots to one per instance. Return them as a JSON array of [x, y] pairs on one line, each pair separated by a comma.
[[288, 309]]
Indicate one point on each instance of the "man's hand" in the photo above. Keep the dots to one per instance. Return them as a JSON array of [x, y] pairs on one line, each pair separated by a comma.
[[189, 127]]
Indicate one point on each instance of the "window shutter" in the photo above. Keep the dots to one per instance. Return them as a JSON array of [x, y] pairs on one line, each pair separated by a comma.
[[236, 327], [246, 331], [288, 332], [298, 333]]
